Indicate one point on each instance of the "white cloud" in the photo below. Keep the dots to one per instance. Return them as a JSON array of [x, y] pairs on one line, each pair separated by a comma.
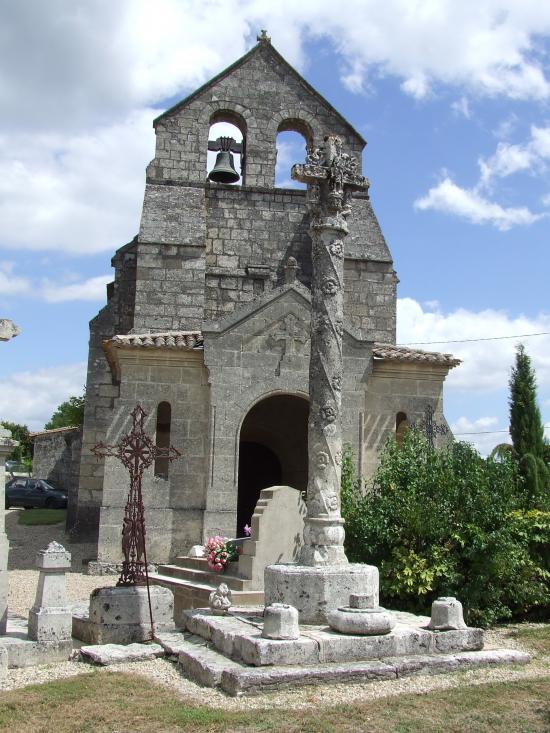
[[462, 107], [486, 364], [483, 432], [449, 198], [80, 194], [11, 284], [509, 159], [91, 289], [31, 398], [132, 53]]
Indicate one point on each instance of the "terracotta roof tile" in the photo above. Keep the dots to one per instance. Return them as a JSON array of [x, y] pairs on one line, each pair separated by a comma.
[[166, 340], [404, 353]]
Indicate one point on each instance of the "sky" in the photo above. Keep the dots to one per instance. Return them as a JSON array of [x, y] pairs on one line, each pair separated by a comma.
[[453, 99]]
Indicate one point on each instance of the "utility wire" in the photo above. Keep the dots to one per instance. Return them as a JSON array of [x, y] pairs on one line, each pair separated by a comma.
[[491, 432], [487, 338]]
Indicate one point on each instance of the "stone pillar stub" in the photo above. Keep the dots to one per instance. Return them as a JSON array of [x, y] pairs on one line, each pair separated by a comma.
[[316, 591], [50, 619]]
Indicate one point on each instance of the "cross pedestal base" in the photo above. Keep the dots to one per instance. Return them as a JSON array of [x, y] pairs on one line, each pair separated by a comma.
[[315, 591], [121, 615]]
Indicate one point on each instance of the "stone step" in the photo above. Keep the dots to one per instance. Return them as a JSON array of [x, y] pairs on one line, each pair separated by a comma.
[[198, 662], [204, 577], [189, 594], [253, 680], [183, 561]]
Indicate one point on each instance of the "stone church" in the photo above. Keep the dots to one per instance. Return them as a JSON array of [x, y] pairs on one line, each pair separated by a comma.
[[207, 322]]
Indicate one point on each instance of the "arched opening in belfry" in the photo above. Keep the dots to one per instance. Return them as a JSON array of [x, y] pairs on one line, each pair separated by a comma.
[[272, 451], [226, 148], [293, 139]]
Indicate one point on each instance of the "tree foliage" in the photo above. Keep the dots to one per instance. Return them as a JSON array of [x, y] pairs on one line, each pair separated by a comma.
[[23, 452], [68, 414], [447, 523], [527, 431]]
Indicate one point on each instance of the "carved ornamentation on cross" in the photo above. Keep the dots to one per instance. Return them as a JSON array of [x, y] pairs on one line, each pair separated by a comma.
[[331, 176], [136, 451]]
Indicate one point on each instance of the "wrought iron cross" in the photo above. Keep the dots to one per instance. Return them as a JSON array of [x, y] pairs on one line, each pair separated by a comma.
[[136, 451], [429, 427]]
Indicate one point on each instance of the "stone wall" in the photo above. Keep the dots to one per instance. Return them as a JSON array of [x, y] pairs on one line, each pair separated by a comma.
[[174, 505], [102, 388], [56, 458]]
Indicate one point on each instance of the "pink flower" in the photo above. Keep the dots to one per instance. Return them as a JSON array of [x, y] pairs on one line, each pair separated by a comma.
[[247, 530]]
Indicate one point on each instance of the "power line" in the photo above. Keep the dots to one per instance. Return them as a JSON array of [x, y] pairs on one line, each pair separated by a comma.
[[487, 338], [491, 432]]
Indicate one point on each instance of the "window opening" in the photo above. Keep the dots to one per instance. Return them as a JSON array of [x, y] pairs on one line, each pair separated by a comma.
[[164, 418], [225, 153], [401, 426], [291, 149]]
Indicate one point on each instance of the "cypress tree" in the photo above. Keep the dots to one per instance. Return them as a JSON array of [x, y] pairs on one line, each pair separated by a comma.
[[527, 429]]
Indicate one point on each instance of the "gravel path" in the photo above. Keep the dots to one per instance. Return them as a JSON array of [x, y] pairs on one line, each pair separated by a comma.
[[26, 541]]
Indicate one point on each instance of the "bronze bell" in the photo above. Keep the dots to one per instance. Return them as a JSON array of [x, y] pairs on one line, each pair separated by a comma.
[[224, 169]]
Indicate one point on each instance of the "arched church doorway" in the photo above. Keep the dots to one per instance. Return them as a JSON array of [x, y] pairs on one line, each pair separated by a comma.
[[272, 450]]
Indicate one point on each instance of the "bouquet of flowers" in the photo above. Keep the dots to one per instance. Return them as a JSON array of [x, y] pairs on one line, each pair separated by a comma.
[[219, 552]]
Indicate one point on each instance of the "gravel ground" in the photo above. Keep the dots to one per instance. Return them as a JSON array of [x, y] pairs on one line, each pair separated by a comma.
[[26, 541]]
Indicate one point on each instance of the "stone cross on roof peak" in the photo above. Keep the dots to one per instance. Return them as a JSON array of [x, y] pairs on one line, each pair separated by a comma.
[[263, 37]]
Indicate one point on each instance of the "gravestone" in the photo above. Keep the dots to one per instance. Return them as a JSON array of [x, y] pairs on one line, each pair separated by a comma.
[[277, 532]]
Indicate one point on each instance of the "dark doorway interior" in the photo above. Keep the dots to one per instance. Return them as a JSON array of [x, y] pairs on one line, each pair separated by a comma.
[[259, 468], [272, 450]]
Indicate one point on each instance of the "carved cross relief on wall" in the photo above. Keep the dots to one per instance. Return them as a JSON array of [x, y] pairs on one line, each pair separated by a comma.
[[288, 336]]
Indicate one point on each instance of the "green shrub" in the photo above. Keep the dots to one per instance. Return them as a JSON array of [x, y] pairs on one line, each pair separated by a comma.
[[446, 522]]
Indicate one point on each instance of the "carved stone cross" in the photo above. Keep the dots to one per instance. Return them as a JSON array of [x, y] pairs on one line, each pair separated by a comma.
[[332, 176], [136, 451], [291, 335]]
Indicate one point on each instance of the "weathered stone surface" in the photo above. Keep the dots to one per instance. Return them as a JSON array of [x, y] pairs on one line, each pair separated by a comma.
[[281, 622], [467, 639], [315, 591], [204, 665], [120, 615], [8, 329], [50, 619], [173, 641], [106, 654], [361, 621], [446, 615], [24, 652], [3, 661], [272, 540]]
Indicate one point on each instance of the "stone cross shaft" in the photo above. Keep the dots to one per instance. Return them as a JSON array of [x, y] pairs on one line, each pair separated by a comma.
[[332, 176], [137, 452]]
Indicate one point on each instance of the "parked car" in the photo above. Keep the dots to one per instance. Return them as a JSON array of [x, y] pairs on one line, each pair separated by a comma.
[[34, 492]]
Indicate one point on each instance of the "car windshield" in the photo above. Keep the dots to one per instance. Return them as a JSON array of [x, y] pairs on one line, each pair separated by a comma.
[[49, 486]]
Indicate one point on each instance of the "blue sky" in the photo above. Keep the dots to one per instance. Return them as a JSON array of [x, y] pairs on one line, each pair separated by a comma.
[[453, 100]]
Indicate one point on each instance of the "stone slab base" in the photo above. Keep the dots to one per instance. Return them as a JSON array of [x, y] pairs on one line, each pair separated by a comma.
[[239, 637], [24, 652], [106, 654], [253, 680], [121, 615], [315, 591]]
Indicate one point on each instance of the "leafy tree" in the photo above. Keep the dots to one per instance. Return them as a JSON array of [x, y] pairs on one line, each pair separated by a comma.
[[23, 452], [527, 431], [68, 414], [446, 523]]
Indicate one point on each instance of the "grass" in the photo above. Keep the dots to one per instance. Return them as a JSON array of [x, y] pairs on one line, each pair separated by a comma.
[[35, 517], [536, 638], [108, 703]]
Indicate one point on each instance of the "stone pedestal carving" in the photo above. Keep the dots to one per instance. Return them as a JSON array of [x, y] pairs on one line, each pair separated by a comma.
[[362, 617], [50, 618], [7, 444], [281, 622], [446, 615], [322, 580]]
